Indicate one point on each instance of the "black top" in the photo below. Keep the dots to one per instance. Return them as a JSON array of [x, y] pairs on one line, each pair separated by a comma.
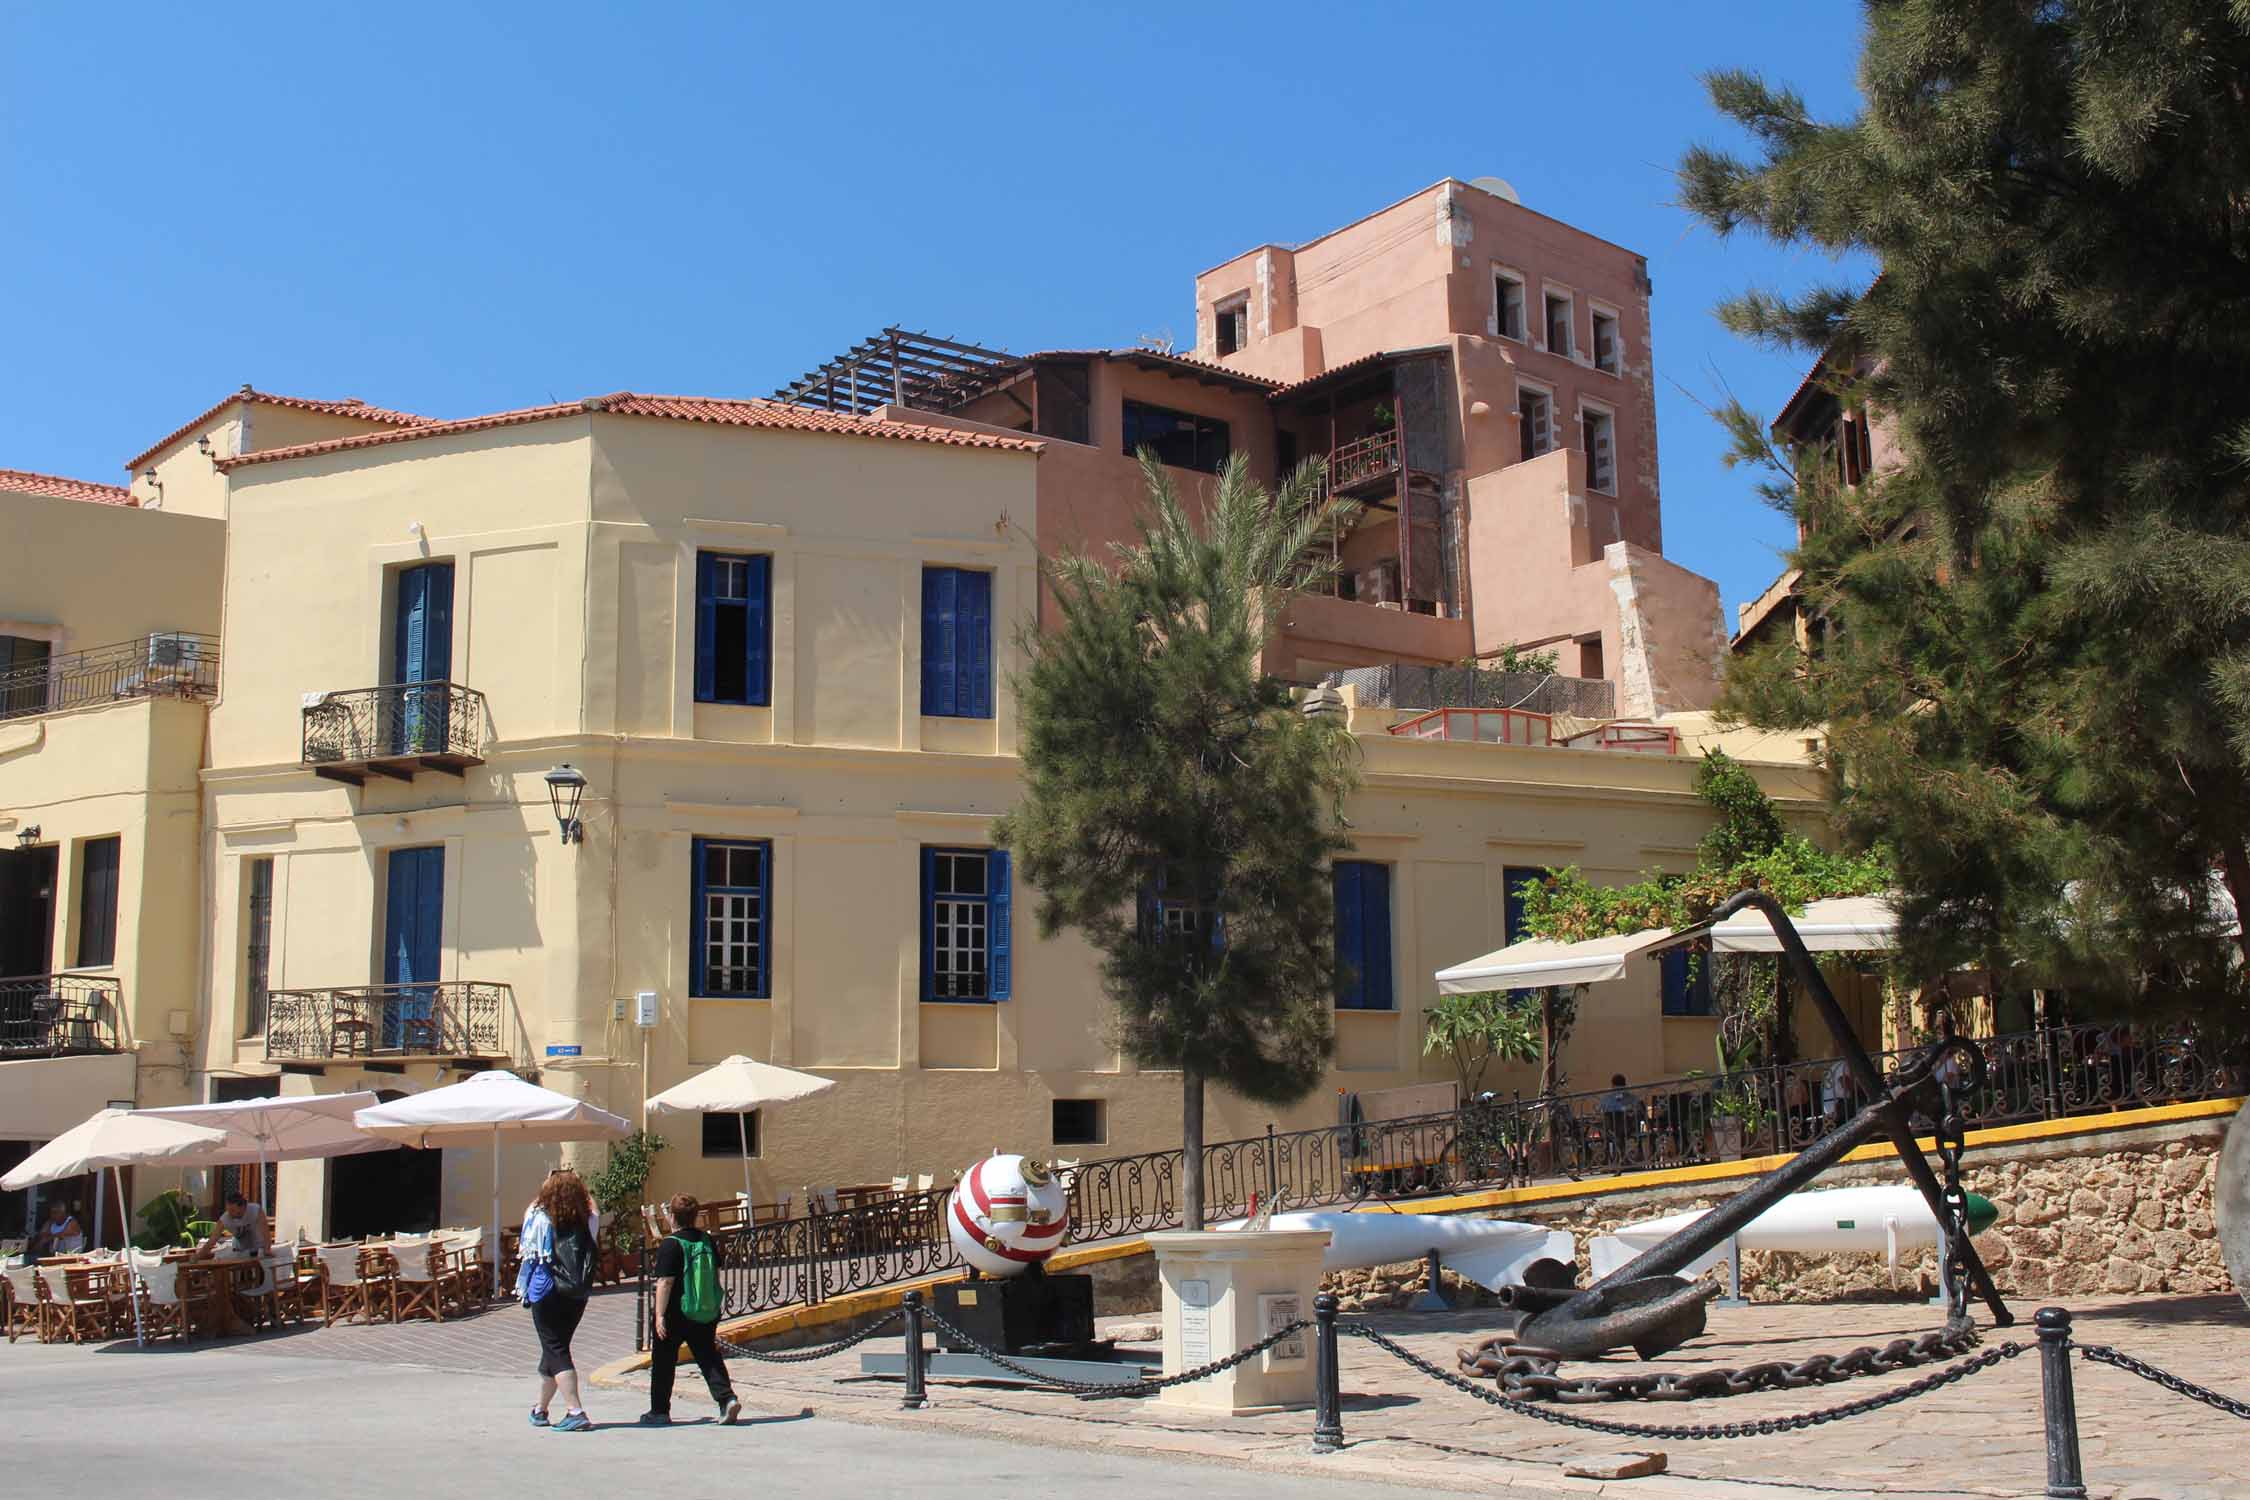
[[671, 1260]]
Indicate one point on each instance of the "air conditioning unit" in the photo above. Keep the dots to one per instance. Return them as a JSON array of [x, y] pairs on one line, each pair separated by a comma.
[[174, 657]]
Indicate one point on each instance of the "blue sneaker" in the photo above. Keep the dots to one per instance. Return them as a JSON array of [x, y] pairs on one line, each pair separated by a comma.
[[574, 1421], [538, 1416]]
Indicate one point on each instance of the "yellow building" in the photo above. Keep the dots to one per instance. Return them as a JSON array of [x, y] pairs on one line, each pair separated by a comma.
[[776, 645]]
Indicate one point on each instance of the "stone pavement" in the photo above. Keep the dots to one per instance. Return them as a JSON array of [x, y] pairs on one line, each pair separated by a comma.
[[1982, 1437]]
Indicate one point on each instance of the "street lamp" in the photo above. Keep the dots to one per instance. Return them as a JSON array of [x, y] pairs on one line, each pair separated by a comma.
[[566, 785], [26, 837]]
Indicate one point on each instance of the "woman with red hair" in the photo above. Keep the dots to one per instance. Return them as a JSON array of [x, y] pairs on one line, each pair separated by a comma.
[[556, 1277]]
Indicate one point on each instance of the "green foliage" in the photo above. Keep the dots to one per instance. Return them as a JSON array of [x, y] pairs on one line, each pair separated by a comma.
[[164, 1221], [1513, 659], [618, 1188], [1156, 753], [2036, 655], [1477, 1030], [1748, 827]]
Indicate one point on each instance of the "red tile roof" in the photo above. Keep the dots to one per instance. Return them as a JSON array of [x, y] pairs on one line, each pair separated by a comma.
[[55, 487], [769, 415], [350, 406]]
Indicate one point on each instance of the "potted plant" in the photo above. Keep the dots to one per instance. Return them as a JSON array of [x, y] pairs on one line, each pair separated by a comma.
[[1738, 1109], [618, 1189]]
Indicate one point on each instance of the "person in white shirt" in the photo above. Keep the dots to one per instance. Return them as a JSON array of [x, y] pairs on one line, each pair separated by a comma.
[[59, 1233]]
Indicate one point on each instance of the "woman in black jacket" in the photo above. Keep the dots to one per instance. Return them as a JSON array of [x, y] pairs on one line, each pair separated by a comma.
[[555, 1279]]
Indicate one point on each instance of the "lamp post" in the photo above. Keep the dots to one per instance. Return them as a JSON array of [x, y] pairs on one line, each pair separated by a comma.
[[27, 836], [566, 786]]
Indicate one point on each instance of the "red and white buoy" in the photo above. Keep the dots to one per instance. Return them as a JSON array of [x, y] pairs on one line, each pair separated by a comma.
[[1008, 1213]]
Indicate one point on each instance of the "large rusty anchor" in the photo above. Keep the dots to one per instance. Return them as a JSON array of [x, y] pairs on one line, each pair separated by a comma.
[[1645, 1305]]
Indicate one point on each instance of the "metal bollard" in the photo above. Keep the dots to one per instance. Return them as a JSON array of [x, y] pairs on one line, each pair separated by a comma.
[[916, 1395], [1328, 1398], [640, 1304], [2065, 1479]]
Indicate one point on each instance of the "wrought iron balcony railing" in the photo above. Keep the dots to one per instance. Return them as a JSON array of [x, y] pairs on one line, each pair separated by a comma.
[[60, 1015], [1375, 456], [453, 1020], [395, 731], [168, 664]]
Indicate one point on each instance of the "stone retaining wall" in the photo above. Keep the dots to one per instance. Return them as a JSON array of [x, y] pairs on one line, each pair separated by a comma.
[[2122, 1211]]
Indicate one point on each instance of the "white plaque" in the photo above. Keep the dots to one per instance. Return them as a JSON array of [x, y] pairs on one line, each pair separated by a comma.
[[1277, 1311], [1195, 1324]]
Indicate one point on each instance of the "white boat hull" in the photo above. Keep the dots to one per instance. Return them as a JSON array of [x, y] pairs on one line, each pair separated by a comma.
[[1883, 1220], [1490, 1252]]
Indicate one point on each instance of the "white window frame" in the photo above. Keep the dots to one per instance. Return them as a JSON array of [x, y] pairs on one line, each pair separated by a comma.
[[1523, 288], [1608, 413], [1552, 291], [1547, 393], [1596, 311]]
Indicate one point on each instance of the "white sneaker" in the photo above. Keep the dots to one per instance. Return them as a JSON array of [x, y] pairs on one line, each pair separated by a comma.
[[729, 1412]]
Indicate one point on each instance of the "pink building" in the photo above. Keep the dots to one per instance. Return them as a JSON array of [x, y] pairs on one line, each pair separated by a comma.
[[1478, 375]]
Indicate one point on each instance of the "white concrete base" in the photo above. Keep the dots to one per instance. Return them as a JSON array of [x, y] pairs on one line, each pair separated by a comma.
[[1223, 1290]]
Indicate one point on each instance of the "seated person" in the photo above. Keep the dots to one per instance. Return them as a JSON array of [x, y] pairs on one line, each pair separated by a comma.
[[242, 1230], [1617, 1112], [58, 1234]]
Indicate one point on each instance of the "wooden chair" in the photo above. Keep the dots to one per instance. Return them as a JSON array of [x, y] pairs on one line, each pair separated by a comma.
[[164, 1308], [71, 1311], [290, 1294], [472, 1249], [343, 1287], [418, 1286], [26, 1308]]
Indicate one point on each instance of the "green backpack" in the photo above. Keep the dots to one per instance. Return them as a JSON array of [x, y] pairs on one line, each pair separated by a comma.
[[699, 1281]]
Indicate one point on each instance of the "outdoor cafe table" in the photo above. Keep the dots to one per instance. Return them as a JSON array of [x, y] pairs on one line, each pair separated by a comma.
[[218, 1279]]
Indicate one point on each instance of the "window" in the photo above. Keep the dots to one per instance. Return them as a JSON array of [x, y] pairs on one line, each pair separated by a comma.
[[1078, 1122], [730, 1135], [1513, 881], [733, 628], [1605, 341], [97, 902], [733, 919], [1507, 305], [1558, 325], [23, 675], [1179, 438], [1855, 454], [956, 643], [1686, 994], [967, 942], [1363, 935], [1234, 326], [1536, 412], [1590, 658], [1598, 431], [257, 944], [1179, 906]]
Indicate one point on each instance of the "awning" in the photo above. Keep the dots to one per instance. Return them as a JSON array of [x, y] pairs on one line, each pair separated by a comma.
[[1840, 924], [1541, 961]]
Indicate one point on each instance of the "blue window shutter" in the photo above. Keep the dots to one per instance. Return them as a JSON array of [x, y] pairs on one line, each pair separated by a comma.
[[695, 916], [1375, 939], [1672, 967], [429, 914], [706, 639], [1351, 974], [1000, 956], [757, 667], [929, 923], [411, 626], [937, 641], [975, 633], [437, 650], [765, 921]]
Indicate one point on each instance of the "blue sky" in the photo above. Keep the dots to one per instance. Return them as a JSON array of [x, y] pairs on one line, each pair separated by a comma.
[[467, 207]]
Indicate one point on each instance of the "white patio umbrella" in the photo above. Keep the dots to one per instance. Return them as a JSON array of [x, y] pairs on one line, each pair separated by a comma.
[[300, 1127], [109, 1139], [738, 1086], [1542, 961], [489, 1106]]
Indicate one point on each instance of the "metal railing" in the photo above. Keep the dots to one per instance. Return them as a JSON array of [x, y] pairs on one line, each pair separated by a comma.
[[1518, 726], [168, 664], [1405, 685], [1490, 1142], [396, 722], [60, 1015], [1374, 456], [455, 1018]]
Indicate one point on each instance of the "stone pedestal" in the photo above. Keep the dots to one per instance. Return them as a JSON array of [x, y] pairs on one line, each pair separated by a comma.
[[1224, 1291]]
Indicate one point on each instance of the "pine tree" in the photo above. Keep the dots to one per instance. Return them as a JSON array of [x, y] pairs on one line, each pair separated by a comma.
[[2038, 669], [1179, 810]]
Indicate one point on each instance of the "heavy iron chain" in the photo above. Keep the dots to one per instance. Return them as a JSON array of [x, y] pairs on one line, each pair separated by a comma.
[[1086, 1391], [806, 1356], [1759, 1427], [1526, 1374], [2102, 1354], [1952, 1139]]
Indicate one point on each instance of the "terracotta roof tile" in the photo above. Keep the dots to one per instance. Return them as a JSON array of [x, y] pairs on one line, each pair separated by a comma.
[[768, 415], [348, 407], [55, 487]]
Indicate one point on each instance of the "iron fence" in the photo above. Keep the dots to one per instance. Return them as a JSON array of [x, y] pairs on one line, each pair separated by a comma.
[[168, 664], [60, 1015], [457, 1018], [404, 719], [1487, 1142]]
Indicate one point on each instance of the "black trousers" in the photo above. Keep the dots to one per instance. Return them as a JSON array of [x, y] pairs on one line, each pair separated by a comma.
[[702, 1340]]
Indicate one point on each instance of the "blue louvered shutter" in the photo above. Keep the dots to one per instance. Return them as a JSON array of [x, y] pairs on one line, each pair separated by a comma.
[[758, 633], [765, 921], [1000, 956], [938, 675], [973, 632], [1375, 937], [1351, 959], [437, 647], [929, 924], [706, 639]]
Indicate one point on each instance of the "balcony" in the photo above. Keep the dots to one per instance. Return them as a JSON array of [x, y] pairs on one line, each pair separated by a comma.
[[396, 731], [168, 664], [459, 1021], [1516, 726], [60, 1015], [1360, 463]]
